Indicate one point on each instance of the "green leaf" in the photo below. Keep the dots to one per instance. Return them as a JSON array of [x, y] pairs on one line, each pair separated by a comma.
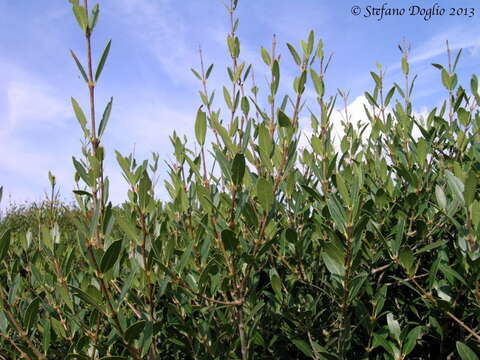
[[411, 340], [303, 347], [275, 77], [105, 117], [446, 79], [407, 260], [342, 188], [229, 240], [134, 331], [82, 295], [101, 64], [264, 140], [80, 15], [209, 70], [291, 235], [238, 169], [201, 126], [266, 56], [283, 120], [186, 256], [455, 185], [474, 84], [338, 213], [380, 299], [421, 151], [245, 105], [31, 314], [111, 256], [393, 326], [228, 99], [265, 193], [405, 67], [475, 213], [334, 258], [380, 340], [465, 352], [46, 335], [441, 198], [51, 178], [311, 40], [376, 78], [4, 244], [463, 116], [276, 282], [431, 246], [389, 95], [79, 114], [128, 228], [94, 18], [147, 338], [470, 188], [301, 82], [79, 65], [295, 55], [318, 83], [197, 75]]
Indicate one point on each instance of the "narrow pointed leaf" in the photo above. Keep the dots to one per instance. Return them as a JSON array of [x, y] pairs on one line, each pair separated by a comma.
[[238, 169], [283, 120], [4, 244], [105, 117], [79, 113], [201, 126], [111, 256], [101, 64], [31, 314], [465, 352], [80, 67]]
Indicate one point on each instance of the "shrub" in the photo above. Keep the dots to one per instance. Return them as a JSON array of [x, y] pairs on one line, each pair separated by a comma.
[[265, 250]]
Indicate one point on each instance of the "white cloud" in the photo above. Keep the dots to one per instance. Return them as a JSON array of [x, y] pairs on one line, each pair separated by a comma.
[[29, 100], [34, 101], [459, 38], [163, 31], [358, 119], [29, 106]]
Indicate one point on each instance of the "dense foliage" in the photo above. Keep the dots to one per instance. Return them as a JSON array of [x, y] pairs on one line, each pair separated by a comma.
[[266, 250]]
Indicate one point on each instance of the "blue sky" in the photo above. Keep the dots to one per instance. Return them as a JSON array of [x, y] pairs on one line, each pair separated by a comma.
[[155, 43]]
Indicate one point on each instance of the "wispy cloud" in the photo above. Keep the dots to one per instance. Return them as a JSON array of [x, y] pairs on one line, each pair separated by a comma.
[[29, 100], [159, 27], [458, 37], [30, 105]]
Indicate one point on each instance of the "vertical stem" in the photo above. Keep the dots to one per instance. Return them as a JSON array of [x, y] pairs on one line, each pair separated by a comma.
[[234, 59], [241, 330], [346, 287], [95, 141], [272, 123], [108, 297], [205, 91], [148, 276], [236, 282], [450, 95]]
